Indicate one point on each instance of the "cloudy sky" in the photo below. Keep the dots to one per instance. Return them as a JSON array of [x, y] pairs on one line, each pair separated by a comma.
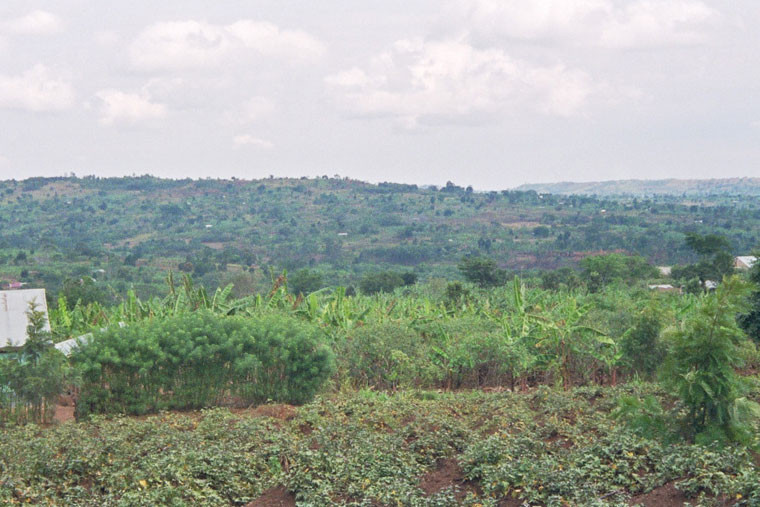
[[492, 93]]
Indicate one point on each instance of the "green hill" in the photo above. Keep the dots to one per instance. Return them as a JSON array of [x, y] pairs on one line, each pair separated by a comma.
[[129, 232]]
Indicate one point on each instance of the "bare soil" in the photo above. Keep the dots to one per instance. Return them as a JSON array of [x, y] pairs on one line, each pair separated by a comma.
[[274, 497], [448, 474], [664, 496]]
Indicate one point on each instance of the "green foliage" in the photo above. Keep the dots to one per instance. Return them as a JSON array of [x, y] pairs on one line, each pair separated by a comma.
[[368, 448], [456, 294], [385, 281], [482, 271], [750, 320], [708, 244], [705, 350], [562, 278], [305, 281], [601, 270], [715, 261], [32, 380], [83, 290], [641, 345], [196, 360]]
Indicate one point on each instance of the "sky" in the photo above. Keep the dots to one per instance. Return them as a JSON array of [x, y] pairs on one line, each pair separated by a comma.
[[488, 93]]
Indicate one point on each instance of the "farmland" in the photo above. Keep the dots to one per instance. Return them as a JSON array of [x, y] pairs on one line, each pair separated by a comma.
[[406, 448], [457, 379]]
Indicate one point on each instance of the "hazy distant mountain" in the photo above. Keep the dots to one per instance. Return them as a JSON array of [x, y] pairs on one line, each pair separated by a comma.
[[738, 186]]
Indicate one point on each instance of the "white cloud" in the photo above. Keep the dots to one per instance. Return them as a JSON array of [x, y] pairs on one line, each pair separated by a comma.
[[35, 23], [605, 23], [106, 38], [130, 108], [197, 44], [257, 108], [36, 90], [451, 81], [249, 140], [650, 23]]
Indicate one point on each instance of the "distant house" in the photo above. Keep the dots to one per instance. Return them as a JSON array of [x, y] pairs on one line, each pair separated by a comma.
[[13, 321], [664, 288], [665, 270], [745, 261]]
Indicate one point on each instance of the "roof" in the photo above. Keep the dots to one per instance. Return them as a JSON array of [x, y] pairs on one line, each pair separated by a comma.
[[68, 346], [746, 260], [13, 307]]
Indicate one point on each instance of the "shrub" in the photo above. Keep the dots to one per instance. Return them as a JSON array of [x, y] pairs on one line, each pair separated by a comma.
[[705, 351], [199, 360], [384, 355], [641, 345]]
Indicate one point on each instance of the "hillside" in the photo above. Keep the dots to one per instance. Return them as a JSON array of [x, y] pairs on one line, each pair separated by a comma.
[[129, 232], [730, 186]]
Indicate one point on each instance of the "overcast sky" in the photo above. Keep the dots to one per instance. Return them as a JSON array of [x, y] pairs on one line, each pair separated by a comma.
[[489, 93]]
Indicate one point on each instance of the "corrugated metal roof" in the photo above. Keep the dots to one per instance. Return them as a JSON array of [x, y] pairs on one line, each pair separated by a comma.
[[13, 307], [68, 346]]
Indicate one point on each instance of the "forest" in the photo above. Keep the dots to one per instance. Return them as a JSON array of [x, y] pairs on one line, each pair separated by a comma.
[[327, 341]]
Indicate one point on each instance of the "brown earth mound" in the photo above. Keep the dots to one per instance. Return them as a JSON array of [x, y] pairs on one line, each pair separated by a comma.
[[664, 496], [274, 497], [448, 474]]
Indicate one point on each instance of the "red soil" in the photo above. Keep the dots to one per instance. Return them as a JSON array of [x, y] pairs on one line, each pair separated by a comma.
[[274, 497], [448, 474]]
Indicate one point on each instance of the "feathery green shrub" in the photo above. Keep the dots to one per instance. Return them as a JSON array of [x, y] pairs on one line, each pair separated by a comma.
[[199, 360]]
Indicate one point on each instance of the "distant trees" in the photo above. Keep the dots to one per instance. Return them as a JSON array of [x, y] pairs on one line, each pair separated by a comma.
[[715, 261], [386, 281], [601, 270], [83, 290], [305, 281], [750, 320], [562, 278], [482, 271]]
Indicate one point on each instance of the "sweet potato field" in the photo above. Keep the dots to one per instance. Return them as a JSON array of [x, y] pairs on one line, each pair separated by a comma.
[[425, 448]]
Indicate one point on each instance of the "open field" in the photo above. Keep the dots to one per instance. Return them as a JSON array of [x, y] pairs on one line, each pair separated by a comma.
[[541, 447]]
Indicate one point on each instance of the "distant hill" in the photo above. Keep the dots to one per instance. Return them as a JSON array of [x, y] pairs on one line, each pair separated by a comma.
[[733, 186], [129, 232]]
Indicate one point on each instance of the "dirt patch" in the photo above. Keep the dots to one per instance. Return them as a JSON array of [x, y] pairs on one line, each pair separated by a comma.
[[64, 413], [510, 502], [277, 411], [559, 440], [664, 496], [448, 474], [274, 497]]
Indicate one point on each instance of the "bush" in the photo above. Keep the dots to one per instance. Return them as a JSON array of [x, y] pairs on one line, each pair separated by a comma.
[[199, 360], [384, 355], [705, 351], [641, 344]]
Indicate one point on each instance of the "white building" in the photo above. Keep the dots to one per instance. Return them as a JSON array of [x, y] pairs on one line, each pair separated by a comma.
[[745, 261], [13, 321]]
